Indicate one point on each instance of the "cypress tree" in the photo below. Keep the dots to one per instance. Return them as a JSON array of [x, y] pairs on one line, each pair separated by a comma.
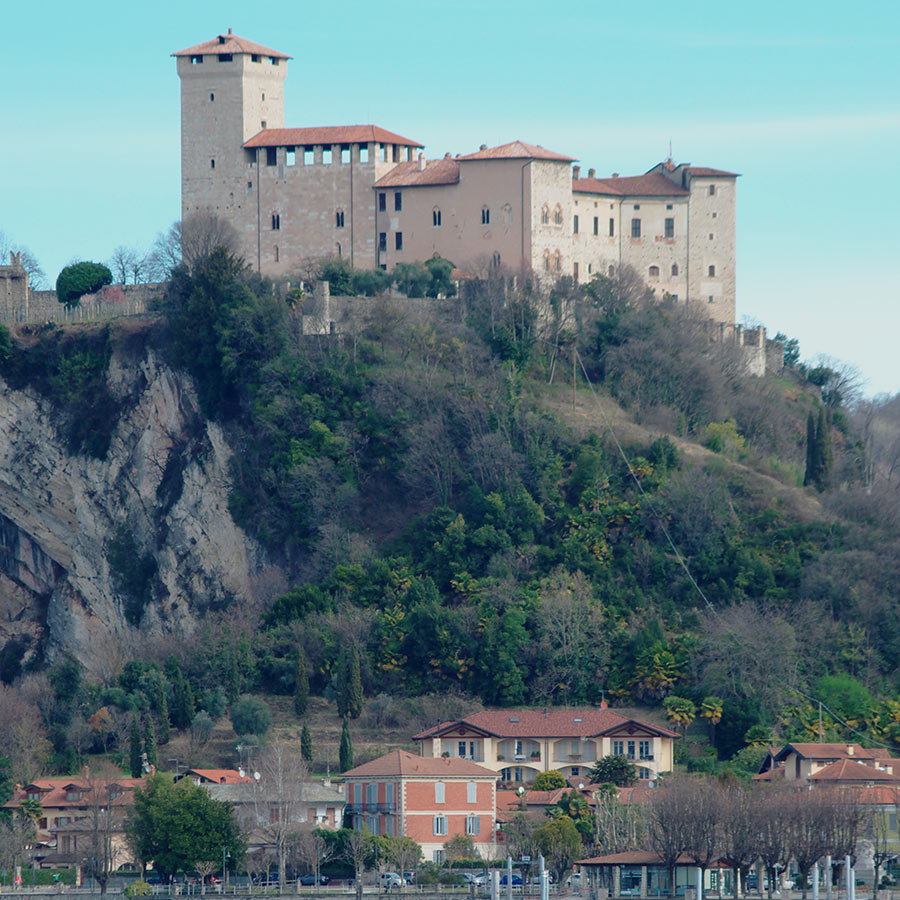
[[824, 451], [354, 686], [346, 751], [134, 750], [162, 712], [150, 741], [301, 684], [809, 476], [306, 743], [183, 711]]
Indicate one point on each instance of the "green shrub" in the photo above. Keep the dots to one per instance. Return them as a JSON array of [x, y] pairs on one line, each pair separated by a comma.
[[250, 715], [79, 279]]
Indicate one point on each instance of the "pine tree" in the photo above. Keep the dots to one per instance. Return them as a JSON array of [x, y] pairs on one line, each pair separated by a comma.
[[306, 743], [150, 742], [354, 686], [183, 709], [346, 751], [134, 750], [301, 684]]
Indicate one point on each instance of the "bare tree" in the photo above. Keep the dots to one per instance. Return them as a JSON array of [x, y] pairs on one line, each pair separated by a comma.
[[103, 827], [810, 830], [666, 824], [276, 798], [774, 812], [37, 279], [356, 852], [740, 829], [312, 849], [701, 803], [190, 240], [879, 833], [618, 826]]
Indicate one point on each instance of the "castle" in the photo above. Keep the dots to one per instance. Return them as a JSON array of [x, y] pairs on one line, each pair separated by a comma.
[[369, 195]]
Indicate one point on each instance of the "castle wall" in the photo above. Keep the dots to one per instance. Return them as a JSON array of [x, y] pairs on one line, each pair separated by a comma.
[[551, 251], [112, 302], [596, 252]]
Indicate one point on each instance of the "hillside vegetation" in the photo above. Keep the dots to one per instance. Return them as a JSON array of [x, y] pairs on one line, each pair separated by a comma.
[[456, 524]]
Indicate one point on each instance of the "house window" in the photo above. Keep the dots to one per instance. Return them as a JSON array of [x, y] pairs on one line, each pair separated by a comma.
[[436, 222], [339, 218], [473, 825], [471, 792], [364, 154], [712, 190], [612, 227], [439, 824], [618, 748], [461, 749], [575, 225], [254, 57], [276, 222], [669, 206], [398, 240], [290, 156], [485, 216], [271, 156], [631, 749], [575, 271], [372, 824], [635, 228], [371, 795], [711, 236], [382, 240], [674, 270], [670, 228], [439, 792], [437, 856], [506, 774], [382, 201], [398, 201], [309, 156], [654, 271], [715, 215], [545, 215], [326, 156], [644, 749], [273, 60], [637, 205], [345, 155], [644, 773], [596, 225], [518, 774], [712, 271], [710, 299]]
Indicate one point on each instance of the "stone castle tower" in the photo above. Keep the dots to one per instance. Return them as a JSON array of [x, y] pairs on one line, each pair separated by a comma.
[[231, 89]]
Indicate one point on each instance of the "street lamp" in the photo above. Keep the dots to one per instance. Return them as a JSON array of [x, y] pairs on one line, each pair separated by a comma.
[[225, 855]]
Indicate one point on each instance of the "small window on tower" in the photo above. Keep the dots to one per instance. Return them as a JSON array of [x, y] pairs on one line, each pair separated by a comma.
[[273, 60], [345, 155], [339, 218], [212, 97], [276, 222], [485, 216], [196, 60], [670, 228], [364, 153], [309, 156], [225, 57], [654, 271], [263, 97], [212, 163], [612, 227], [382, 201], [712, 190], [271, 156], [290, 156], [254, 57], [712, 271], [326, 156], [674, 270], [249, 187], [398, 240]]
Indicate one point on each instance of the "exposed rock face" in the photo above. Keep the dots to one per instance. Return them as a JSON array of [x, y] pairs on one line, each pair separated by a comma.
[[164, 480]]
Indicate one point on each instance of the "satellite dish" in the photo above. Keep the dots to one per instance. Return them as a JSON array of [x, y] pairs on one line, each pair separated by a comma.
[[580, 787], [240, 772], [256, 775]]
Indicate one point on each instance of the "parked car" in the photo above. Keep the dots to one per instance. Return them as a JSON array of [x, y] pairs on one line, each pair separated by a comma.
[[390, 880], [153, 878], [516, 879], [309, 879], [472, 878], [409, 877]]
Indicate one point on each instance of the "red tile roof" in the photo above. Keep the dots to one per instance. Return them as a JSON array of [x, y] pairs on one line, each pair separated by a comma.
[[230, 43], [329, 134], [813, 750], [408, 174], [851, 770], [653, 184], [517, 150], [217, 776], [402, 762], [536, 723], [54, 791]]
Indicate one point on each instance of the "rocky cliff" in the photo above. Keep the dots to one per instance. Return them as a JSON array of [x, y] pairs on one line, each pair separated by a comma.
[[161, 493]]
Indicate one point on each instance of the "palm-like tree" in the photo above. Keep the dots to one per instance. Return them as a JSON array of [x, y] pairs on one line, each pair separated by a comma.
[[711, 710], [680, 712]]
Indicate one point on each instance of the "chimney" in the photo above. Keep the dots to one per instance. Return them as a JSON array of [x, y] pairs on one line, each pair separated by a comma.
[[615, 174], [592, 173], [604, 704], [85, 772], [576, 172], [447, 155], [421, 162], [849, 749], [483, 147], [152, 770], [229, 31]]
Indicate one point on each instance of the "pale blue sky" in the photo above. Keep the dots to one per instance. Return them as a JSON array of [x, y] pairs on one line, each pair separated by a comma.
[[801, 98]]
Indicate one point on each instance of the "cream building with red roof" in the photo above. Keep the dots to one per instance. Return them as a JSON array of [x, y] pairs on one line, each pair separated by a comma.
[[519, 743], [428, 800], [370, 195]]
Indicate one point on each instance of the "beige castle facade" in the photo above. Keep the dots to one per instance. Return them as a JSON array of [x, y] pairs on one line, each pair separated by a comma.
[[298, 195]]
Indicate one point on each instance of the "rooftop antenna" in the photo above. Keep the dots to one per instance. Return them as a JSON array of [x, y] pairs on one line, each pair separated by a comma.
[[670, 149]]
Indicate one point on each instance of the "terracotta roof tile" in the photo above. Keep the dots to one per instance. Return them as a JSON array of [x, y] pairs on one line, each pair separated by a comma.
[[536, 723], [402, 762], [517, 150], [408, 174], [811, 750], [218, 776], [329, 134], [54, 791], [703, 171], [230, 43], [653, 184], [851, 770]]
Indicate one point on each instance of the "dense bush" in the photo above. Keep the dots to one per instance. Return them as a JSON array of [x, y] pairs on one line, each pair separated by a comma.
[[81, 278]]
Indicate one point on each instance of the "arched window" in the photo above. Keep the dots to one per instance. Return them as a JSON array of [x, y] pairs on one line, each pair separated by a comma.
[[654, 271], [546, 260], [545, 215], [712, 271], [557, 215], [495, 260], [485, 216], [557, 261], [507, 214], [436, 217], [674, 270], [339, 219], [611, 271]]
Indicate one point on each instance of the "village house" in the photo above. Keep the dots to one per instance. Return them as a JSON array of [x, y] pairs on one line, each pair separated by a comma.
[[430, 800], [517, 744], [803, 761]]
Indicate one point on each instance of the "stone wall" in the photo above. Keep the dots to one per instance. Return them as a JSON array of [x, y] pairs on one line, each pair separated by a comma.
[[38, 307]]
